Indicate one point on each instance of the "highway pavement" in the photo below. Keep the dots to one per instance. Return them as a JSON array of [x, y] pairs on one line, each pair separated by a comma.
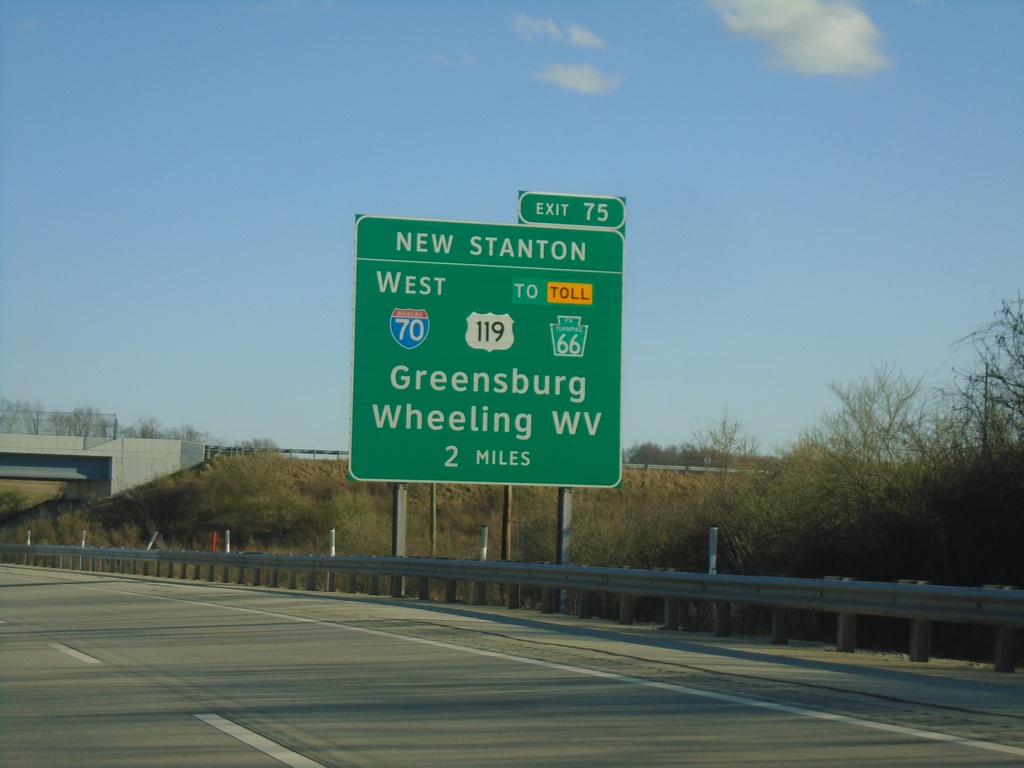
[[105, 670]]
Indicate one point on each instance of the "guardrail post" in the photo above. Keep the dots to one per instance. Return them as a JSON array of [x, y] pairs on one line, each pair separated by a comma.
[[671, 614], [1004, 649], [257, 577], [920, 632], [310, 581], [451, 590], [846, 632], [293, 579], [351, 583], [273, 578], [1004, 640], [398, 585], [722, 612], [626, 610], [514, 596], [329, 585], [920, 639], [424, 588], [780, 626], [846, 625], [547, 599], [374, 588], [586, 604]]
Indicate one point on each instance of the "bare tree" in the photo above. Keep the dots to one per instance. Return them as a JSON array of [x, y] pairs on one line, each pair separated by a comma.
[[993, 392], [649, 453], [882, 418], [21, 416], [84, 421], [147, 427], [726, 443], [257, 445], [189, 433]]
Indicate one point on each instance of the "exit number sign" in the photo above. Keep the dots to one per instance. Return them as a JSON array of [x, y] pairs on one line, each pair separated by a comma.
[[572, 210], [487, 353]]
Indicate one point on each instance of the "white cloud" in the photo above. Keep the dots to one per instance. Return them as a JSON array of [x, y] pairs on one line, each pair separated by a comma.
[[818, 37], [466, 59], [579, 77], [531, 29], [584, 38]]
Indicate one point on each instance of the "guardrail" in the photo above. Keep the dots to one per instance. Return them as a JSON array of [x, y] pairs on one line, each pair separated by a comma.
[[921, 603]]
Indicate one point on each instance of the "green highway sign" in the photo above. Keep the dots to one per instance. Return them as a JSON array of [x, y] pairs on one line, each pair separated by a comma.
[[572, 210], [486, 353]]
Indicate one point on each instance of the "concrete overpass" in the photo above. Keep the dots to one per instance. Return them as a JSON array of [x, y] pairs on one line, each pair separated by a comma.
[[94, 466]]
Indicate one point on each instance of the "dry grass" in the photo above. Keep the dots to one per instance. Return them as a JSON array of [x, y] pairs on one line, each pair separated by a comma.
[[276, 503]]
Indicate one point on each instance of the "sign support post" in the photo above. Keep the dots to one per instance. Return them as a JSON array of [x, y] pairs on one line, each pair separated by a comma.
[[563, 547], [399, 508]]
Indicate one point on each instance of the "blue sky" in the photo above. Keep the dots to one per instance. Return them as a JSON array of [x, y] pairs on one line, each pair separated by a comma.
[[813, 188]]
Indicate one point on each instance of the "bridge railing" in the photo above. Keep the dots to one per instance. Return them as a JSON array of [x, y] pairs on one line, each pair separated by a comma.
[[919, 603], [82, 422]]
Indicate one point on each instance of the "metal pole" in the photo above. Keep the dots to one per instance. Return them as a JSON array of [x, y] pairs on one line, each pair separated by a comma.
[[330, 574], [433, 519], [227, 541], [564, 543], [28, 538], [152, 539], [398, 517], [713, 550], [506, 525], [480, 588]]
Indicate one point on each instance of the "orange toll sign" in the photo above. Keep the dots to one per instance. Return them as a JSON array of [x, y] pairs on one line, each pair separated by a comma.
[[570, 293]]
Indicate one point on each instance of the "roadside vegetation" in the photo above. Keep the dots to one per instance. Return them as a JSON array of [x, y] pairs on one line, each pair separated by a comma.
[[898, 482]]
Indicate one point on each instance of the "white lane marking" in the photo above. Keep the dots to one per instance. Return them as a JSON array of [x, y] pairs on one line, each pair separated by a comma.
[[75, 654], [254, 740], [740, 700]]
